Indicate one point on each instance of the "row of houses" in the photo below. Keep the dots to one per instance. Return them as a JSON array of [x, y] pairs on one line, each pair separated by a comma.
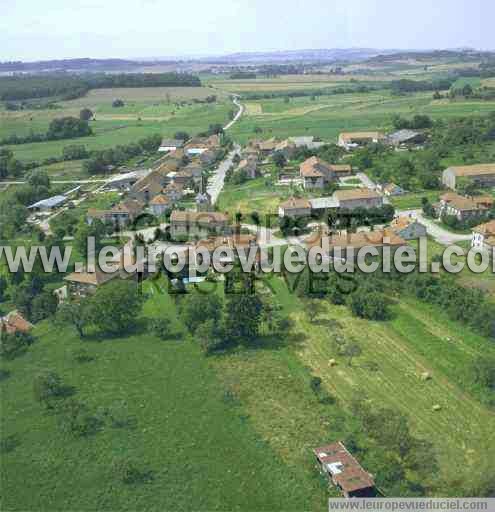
[[398, 139], [464, 207]]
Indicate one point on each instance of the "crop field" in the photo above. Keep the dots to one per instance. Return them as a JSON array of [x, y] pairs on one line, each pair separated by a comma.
[[113, 126], [202, 450]]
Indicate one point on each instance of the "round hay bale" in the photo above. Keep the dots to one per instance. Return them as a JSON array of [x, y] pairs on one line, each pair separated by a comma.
[[425, 376], [332, 362], [437, 407]]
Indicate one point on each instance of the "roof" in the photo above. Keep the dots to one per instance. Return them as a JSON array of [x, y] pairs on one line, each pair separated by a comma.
[[268, 145], [402, 136], [381, 238], [341, 168], [356, 193], [309, 142], [233, 242], [343, 467], [172, 143], [160, 200], [96, 278], [472, 170], [295, 203], [487, 229], [130, 206], [14, 322], [402, 222], [467, 203], [321, 203], [314, 167], [205, 218], [350, 136], [51, 202]]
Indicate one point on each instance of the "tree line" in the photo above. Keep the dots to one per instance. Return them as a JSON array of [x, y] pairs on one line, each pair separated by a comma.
[[67, 86]]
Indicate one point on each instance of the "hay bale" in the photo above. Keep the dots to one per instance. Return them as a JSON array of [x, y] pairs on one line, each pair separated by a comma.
[[332, 362], [425, 376], [437, 407]]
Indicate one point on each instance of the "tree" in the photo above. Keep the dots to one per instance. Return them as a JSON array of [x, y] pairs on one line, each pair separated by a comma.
[[48, 386], [118, 103], [243, 316], [14, 344], [279, 159], [86, 114], [160, 327], [3, 287], [73, 314], [314, 308], [182, 136], [484, 371], [115, 306], [209, 336], [351, 350], [43, 306], [370, 305], [84, 232], [197, 308]]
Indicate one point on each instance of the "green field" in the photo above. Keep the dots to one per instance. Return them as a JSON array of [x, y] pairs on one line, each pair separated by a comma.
[[203, 451]]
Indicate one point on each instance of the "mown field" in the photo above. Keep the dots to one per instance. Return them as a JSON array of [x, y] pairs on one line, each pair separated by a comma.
[[327, 115], [202, 449]]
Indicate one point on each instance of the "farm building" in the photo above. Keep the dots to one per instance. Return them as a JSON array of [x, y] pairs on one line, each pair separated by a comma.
[[169, 145], [159, 205], [484, 236], [121, 214], [48, 204], [315, 173], [295, 207], [344, 471], [184, 223], [463, 207], [358, 198], [405, 138], [353, 140], [391, 189], [482, 175]]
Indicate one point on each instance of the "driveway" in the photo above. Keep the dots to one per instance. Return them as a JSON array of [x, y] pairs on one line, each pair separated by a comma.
[[437, 232]]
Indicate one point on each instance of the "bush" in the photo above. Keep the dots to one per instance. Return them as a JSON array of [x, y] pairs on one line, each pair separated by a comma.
[[76, 419], [372, 306], [160, 327], [129, 473], [48, 386], [13, 345]]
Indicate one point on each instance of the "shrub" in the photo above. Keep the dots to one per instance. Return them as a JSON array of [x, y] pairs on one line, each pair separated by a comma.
[[13, 345]]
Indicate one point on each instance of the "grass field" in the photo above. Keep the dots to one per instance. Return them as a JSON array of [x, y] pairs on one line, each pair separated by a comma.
[[203, 451]]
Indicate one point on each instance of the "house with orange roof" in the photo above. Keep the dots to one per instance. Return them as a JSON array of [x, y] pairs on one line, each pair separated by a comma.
[[14, 322], [353, 140]]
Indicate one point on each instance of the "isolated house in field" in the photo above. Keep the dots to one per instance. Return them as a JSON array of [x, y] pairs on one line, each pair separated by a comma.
[[353, 140], [295, 207], [344, 471], [405, 138], [408, 228], [316, 173], [484, 236], [358, 198], [463, 207], [170, 145], [14, 322], [483, 175], [160, 204], [202, 224]]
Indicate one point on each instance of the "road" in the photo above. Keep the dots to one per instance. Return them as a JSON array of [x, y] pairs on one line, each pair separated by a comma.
[[217, 179], [237, 103], [437, 232]]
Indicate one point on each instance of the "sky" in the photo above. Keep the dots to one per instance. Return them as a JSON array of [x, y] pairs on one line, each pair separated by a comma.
[[50, 29]]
